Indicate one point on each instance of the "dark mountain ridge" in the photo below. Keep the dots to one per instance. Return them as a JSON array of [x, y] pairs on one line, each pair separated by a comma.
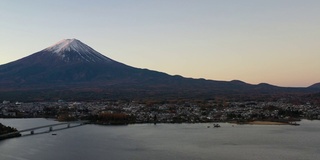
[[72, 69], [317, 85]]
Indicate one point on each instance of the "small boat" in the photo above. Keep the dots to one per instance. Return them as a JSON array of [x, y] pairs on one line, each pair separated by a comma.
[[216, 125], [294, 124], [54, 134]]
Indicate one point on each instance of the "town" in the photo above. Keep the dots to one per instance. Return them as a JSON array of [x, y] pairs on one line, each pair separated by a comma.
[[129, 112]]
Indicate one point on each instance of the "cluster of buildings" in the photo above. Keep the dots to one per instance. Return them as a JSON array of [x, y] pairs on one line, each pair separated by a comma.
[[164, 112]]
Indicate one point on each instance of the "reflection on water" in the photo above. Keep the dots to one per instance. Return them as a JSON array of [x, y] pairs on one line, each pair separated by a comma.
[[164, 141]]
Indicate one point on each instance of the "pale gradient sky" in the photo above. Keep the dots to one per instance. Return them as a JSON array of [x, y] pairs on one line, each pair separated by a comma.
[[272, 41]]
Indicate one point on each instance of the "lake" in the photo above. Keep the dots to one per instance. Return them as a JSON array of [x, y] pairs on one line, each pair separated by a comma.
[[164, 141]]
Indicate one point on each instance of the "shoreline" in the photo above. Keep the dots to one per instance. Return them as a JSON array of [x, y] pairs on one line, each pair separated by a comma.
[[265, 123], [268, 123], [255, 122]]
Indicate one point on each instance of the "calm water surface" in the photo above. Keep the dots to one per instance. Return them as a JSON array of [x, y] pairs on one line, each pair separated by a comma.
[[164, 141]]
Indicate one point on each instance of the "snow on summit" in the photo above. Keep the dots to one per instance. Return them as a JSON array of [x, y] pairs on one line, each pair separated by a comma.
[[67, 48]]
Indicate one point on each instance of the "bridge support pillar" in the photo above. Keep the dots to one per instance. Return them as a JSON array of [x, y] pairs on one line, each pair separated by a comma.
[[32, 132], [50, 129], [68, 125]]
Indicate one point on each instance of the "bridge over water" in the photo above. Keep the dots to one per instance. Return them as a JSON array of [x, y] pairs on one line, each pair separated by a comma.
[[50, 128]]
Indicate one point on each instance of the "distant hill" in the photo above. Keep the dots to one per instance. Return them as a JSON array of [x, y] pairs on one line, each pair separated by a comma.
[[317, 85], [72, 70]]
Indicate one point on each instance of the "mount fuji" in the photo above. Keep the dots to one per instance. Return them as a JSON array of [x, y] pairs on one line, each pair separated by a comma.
[[71, 69], [68, 62]]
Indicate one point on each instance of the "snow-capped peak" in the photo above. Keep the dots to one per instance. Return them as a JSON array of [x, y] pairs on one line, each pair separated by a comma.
[[66, 47]]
